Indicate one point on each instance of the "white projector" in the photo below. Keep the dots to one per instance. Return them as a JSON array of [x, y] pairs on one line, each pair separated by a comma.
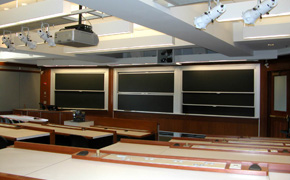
[[76, 38]]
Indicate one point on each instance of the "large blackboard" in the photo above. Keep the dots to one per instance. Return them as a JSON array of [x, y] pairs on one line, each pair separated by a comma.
[[148, 82], [219, 99], [79, 81], [79, 99], [219, 80], [228, 111], [145, 103], [219, 92]]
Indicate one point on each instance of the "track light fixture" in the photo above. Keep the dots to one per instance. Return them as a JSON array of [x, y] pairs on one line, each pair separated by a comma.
[[202, 21], [8, 41], [251, 15], [25, 38], [45, 34]]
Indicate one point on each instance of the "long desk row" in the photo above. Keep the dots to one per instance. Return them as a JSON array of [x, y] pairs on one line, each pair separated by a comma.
[[94, 132], [124, 128], [21, 118], [39, 161], [58, 134], [16, 134]]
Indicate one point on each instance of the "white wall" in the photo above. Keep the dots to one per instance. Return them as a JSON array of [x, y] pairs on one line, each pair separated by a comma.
[[19, 90]]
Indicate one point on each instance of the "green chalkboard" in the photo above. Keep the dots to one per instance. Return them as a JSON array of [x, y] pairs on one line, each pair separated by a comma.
[[79, 99], [146, 103], [148, 82], [79, 81], [219, 80]]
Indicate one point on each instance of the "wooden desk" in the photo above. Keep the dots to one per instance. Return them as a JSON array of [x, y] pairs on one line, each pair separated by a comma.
[[246, 138], [238, 156], [21, 134], [81, 124], [63, 130], [75, 169], [23, 118], [23, 162], [247, 142], [118, 123], [154, 149], [134, 133], [136, 148], [37, 161], [224, 146], [56, 117]]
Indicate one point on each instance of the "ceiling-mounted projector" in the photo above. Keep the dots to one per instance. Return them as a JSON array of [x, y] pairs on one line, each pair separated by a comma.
[[80, 35]]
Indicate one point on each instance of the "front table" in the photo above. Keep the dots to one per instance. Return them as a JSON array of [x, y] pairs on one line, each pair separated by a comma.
[[81, 124]]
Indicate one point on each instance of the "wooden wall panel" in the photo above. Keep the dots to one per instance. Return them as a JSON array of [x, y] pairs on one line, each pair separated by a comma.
[[5, 112], [198, 124], [65, 116], [52, 116], [34, 113], [278, 124], [264, 101], [271, 126], [45, 86]]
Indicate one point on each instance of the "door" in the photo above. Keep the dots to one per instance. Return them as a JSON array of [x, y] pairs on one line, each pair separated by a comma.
[[280, 104]]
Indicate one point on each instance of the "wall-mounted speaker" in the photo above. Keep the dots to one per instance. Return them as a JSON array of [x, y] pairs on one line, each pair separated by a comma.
[[165, 56]]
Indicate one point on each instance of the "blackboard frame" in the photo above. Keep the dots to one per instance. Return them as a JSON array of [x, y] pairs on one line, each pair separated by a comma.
[[211, 92], [178, 92], [164, 80], [86, 71]]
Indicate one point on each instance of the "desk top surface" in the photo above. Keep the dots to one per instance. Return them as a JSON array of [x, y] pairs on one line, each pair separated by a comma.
[[46, 165], [136, 148], [272, 139], [24, 118], [22, 161], [207, 154], [74, 130], [124, 131], [259, 145], [21, 134], [75, 169], [239, 156]]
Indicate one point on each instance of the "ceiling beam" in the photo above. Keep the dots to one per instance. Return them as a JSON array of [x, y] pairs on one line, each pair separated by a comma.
[[157, 17]]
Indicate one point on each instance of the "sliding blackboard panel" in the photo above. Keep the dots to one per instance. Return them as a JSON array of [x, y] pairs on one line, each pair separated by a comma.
[[149, 82], [79, 99], [79, 81], [145, 103], [219, 99], [219, 80], [230, 111]]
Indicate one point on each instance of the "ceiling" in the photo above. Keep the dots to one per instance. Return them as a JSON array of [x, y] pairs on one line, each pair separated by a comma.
[[153, 25]]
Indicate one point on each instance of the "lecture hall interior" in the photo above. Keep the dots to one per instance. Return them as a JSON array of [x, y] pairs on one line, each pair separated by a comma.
[[145, 89]]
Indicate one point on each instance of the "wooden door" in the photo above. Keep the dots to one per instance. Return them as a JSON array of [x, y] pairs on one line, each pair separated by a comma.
[[279, 103]]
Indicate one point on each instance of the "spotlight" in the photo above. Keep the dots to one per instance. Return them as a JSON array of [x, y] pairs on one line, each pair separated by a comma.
[[7, 41], [45, 35], [251, 15], [25, 38], [202, 21]]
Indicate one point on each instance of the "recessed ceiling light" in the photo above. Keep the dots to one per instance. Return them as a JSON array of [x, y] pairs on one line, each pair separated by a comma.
[[6, 9], [23, 4]]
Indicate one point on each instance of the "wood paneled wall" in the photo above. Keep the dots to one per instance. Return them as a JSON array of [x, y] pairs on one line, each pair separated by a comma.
[[45, 86], [198, 124], [188, 123], [271, 126]]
